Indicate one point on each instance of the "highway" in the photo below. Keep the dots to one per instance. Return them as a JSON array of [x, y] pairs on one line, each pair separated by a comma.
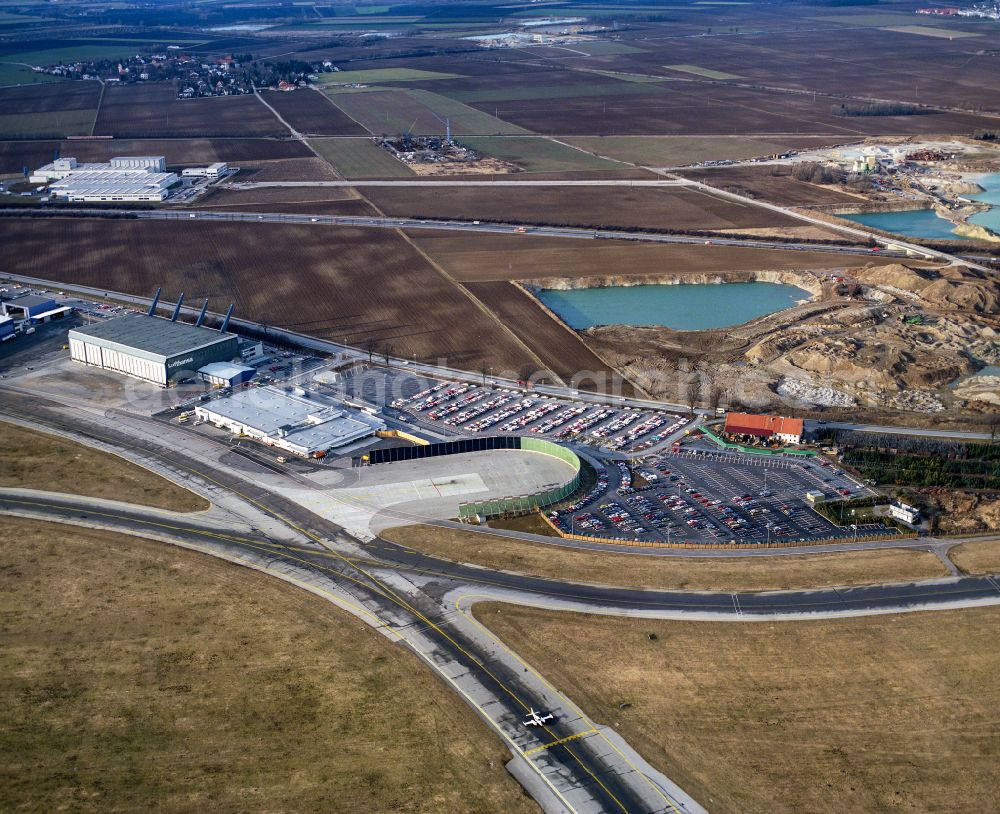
[[500, 228]]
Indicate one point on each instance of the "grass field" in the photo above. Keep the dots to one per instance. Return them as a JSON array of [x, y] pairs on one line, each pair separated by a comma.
[[360, 158], [36, 460], [391, 112], [978, 557], [134, 674], [708, 73], [931, 31], [671, 573], [674, 151], [92, 49], [538, 154], [63, 123], [878, 714], [21, 75], [376, 75]]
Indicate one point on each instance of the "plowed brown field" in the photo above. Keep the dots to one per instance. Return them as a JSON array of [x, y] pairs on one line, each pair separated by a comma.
[[656, 208], [311, 112], [337, 283], [482, 257], [152, 110], [560, 349]]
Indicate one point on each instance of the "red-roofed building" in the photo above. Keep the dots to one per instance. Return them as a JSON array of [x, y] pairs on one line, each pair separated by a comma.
[[766, 427]]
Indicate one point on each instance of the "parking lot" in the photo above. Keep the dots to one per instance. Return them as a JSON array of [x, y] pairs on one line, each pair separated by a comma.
[[703, 495], [468, 409]]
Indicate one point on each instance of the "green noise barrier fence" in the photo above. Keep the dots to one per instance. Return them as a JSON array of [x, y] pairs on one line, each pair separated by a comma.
[[805, 453], [525, 504]]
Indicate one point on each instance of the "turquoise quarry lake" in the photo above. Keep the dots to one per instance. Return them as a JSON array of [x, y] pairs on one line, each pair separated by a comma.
[[688, 307], [926, 223], [913, 223]]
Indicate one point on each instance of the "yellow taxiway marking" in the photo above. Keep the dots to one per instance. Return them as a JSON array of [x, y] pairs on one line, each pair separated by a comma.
[[567, 739]]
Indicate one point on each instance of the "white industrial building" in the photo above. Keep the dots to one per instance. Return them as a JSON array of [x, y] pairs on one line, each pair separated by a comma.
[[904, 512], [291, 423], [127, 178], [216, 170]]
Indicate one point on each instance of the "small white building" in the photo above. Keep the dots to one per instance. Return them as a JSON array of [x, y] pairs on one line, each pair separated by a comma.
[[904, 513], [217, 170], [292, 423]]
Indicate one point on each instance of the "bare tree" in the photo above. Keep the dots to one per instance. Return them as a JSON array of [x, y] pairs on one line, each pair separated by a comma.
[[387, 351], [714, 397], [994, 422], [369, 346], [484, 369], [692, 390]]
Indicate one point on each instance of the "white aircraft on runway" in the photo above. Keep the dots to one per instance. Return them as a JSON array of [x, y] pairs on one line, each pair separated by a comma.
[[538, 719]]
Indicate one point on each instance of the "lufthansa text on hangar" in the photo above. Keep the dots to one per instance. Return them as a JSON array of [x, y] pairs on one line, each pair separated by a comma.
[[150, 348]]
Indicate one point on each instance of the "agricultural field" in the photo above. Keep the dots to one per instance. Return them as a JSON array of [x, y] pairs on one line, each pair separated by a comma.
[[22, 75], [310, 112], [602, 48], [135, 674], [675, 151], [179, 152], [46, 125], [538, 154], [471, 259], [33, 53], [376, 75], [304, 200], [620, 206], [391, 112], [933, 31], [886, 713], [335, 282], [151, 110], [707, 73], [288, 169], [560, 350], [360, 158], [670, 109]]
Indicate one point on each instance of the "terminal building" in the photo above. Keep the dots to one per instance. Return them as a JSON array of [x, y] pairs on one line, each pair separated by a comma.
[[291, 423], [126, 178], [765, 427], [6, 328], [151, 348]]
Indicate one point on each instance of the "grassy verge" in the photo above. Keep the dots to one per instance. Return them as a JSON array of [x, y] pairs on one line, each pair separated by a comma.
[[977, 557], [135, 674], [888, 713], [35, 460], [669, 573]]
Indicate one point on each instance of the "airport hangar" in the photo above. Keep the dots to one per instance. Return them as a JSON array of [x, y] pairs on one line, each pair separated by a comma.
[[151, 348]]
